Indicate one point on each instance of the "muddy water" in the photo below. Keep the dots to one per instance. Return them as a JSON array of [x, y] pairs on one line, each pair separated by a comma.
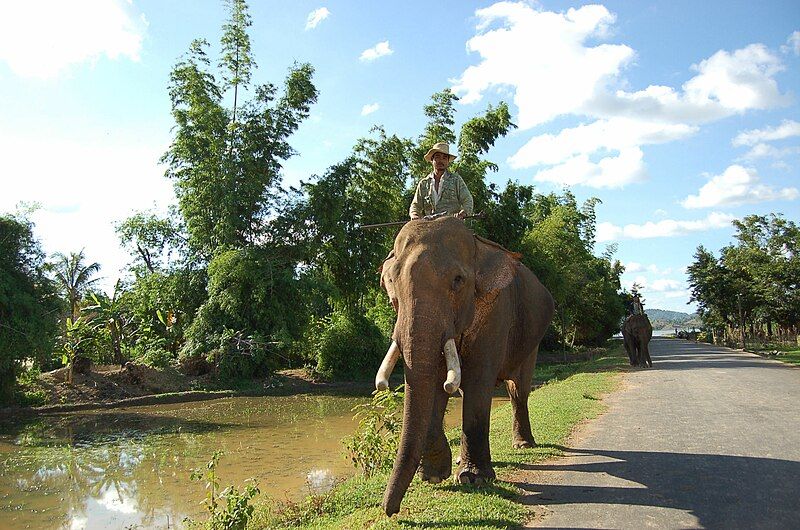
[[130, 467]]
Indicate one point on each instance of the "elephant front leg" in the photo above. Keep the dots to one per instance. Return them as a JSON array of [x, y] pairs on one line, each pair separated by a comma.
[[475, 465], [437, 460]]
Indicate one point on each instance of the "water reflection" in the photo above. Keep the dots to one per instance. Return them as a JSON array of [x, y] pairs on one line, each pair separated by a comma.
[[130, 468]]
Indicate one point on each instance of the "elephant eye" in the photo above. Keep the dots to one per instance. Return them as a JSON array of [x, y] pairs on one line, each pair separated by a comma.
[[458, 281]]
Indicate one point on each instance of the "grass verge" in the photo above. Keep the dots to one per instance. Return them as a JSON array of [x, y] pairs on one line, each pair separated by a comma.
[[570, 394], [789, 354]]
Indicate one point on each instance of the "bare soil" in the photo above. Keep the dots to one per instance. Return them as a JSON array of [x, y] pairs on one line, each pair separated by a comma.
[[107, 386]]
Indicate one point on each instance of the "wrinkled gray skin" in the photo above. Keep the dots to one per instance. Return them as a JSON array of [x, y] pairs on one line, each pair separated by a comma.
[[636, 334], [444, 282]]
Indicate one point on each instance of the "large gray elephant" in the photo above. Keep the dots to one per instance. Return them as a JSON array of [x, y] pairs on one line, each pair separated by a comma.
[[636, 334], [469, 315]]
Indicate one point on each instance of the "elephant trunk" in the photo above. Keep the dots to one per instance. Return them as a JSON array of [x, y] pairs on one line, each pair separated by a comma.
[[423, 369]]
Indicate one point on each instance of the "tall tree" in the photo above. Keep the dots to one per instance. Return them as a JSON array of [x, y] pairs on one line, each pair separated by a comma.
[[28, 305], [226, 163], [236, 62], [73, 277]]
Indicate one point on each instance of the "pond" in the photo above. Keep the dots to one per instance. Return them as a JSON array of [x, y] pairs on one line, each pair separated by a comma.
[[129, 468]]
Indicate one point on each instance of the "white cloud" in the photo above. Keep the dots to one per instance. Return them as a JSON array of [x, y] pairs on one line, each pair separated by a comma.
[[369, 109], [609, 172], [614, 134], [633, 266], [664, 228], [786, 129], [41, 38], [660, 213], [663, 285], [737, 81], [580, 80], [792, 44], [769, 151], [736, 185], [531, 46], [317, 16], [84, 185], [379, 50]]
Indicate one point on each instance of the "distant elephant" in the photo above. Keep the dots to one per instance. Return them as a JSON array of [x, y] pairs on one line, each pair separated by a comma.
[[636, 334], [471, 299]]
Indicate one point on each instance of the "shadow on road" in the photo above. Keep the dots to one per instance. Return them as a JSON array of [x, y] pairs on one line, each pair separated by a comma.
[[721, 491]]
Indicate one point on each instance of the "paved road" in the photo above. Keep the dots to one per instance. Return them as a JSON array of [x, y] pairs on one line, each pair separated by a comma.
[[707, 438]]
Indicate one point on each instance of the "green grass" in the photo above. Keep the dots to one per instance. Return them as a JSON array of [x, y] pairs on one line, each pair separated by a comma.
[[790, 354], [570, 395]]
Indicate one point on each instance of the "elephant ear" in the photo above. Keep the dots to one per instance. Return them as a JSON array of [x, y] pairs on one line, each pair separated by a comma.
[[495, 269], [387, 286], [495, 266]]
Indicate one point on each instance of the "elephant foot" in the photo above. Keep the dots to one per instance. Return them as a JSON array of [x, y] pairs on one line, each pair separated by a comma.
[[433, 476], [474, 475], [523, 444], [435, 472]]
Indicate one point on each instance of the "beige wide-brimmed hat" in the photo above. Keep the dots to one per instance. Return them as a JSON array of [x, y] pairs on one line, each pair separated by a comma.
[[439, 147]]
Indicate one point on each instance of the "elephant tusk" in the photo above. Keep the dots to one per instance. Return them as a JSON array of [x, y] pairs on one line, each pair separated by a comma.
[[382, 378], [453, 380]]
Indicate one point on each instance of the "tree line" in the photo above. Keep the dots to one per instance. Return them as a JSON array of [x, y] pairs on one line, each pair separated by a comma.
[[750, 292], [244, 277]]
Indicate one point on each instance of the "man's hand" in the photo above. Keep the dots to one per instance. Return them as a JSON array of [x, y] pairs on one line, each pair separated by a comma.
[[461, 215]]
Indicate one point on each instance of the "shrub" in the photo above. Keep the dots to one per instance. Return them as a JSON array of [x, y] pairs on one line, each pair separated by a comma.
[[243, 357], [349, 345], [373, 446], [229, 509]]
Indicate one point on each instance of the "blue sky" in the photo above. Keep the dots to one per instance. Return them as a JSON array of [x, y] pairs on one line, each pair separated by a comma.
[[680, 116]]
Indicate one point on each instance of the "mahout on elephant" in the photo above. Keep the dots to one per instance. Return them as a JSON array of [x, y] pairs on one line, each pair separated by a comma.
[[636, 334], [471, 315]]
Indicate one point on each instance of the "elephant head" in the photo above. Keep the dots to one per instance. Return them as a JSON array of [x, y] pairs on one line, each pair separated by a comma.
[[442, 281]]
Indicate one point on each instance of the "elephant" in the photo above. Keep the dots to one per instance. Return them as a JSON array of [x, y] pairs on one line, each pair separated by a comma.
[[469, 316], [636, 334]]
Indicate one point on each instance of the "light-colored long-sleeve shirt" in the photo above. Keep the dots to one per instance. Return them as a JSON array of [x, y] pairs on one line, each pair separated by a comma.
[[452, 197]]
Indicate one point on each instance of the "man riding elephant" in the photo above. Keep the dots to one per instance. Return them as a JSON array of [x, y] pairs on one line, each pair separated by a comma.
[[636, 334], [441, 192]]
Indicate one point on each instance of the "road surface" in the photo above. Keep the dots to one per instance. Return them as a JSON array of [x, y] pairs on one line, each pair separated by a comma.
[[708, 437]]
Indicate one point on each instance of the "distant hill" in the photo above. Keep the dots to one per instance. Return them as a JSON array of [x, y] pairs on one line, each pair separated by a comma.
[[664, 319]]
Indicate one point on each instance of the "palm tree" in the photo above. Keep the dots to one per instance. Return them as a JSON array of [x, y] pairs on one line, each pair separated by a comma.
[[74, 277]]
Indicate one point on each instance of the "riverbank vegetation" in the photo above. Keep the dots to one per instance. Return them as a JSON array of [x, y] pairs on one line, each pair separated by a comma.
[[748, 296], [242, 277]]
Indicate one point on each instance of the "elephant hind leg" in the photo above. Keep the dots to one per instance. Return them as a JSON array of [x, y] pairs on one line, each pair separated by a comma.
[[519, 388], [646, 360]]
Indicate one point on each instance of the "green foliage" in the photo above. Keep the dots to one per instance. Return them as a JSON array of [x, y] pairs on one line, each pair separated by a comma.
[[113, 322], [753, 284], [73, 277], [153, 240], [28, 305], [373, 445], [250, 313], [348, 345], [229, 509], [77, 333], [29, 392], [559, 249], [160, 307], [380, 312], [226, 163], [365, 188]]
